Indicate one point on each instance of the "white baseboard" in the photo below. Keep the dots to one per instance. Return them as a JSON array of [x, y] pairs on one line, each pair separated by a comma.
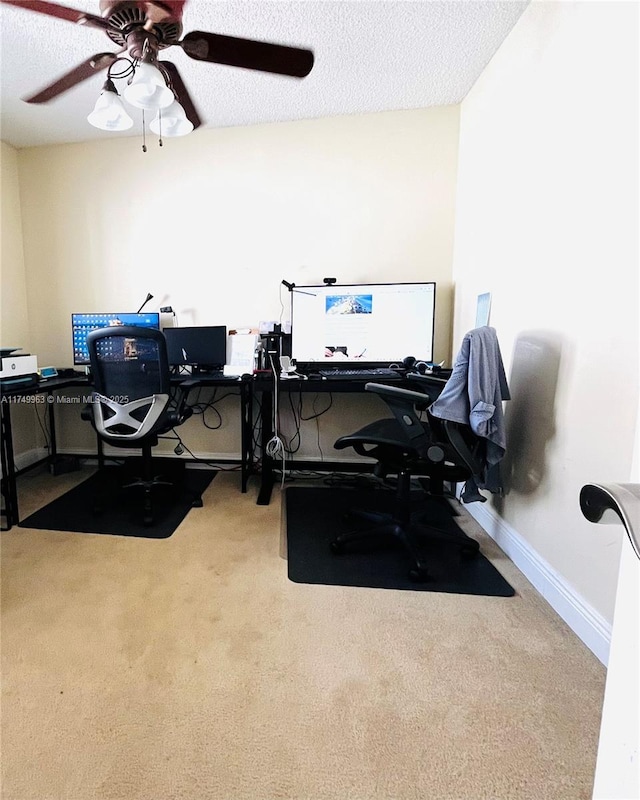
[[29, 457], [588, 625], [122, 452]]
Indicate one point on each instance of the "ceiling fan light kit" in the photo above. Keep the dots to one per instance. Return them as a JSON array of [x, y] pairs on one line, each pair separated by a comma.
[[147, 88], [171, 121], [109, 113], [143, 28]]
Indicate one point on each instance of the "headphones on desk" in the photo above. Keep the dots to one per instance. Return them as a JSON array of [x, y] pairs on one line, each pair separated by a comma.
[[412, 365]]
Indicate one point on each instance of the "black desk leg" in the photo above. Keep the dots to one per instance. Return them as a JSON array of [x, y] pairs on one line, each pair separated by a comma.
[[9, 488], [53, 449], [246, 411], [266, 472]]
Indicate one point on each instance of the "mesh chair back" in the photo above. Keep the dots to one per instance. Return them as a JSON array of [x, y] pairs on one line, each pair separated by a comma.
[[132, 382], [129, 362]]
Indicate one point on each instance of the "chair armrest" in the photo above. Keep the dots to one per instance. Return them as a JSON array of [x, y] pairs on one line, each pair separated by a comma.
[[183, 411], [403, 404], [430, 384], [188, 384], [395, 393]]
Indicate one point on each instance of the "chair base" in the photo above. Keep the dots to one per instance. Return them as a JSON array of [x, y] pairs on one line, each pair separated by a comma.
[[139, 476], [147, 488], [408, 536]]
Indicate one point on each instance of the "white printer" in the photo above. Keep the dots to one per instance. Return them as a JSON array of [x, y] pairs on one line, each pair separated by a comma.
[[17, 370]]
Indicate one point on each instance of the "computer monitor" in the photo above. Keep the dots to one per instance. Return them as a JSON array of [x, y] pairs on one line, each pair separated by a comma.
[[83, 324], [375, 324], [203, 348]]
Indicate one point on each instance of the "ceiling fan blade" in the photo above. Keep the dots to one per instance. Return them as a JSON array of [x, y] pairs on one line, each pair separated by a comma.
[[80, 73], [61, 12], [161, 10], [247, 53], [182, 94]]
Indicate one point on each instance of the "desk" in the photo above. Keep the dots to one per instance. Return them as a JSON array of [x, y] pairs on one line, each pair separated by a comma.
[[49, 388], [249, 387], [265, 386], [431, 384]]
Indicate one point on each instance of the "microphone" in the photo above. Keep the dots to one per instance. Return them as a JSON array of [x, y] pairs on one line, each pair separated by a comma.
[[149, 297]]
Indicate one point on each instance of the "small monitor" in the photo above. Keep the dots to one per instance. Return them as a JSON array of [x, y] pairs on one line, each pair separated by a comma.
[[203, 348], [375, 324], [83, 324]]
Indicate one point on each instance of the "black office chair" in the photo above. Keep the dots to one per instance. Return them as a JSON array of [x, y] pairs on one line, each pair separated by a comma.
[[441, 451], [132, 401]]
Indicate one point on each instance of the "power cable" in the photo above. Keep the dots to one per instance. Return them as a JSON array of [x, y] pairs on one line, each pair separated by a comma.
[[275, 446]]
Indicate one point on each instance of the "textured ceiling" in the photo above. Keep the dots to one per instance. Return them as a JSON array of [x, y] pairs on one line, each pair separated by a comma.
[[369, 56]]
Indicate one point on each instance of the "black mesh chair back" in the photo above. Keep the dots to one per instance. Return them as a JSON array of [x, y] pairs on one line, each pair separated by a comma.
[[132, 382]]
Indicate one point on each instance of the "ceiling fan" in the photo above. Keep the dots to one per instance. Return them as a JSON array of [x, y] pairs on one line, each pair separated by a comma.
[[143, 28]]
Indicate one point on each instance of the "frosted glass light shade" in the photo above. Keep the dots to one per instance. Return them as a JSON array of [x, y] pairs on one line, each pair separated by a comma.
[[109, 114], [172, 121], [148, 89]]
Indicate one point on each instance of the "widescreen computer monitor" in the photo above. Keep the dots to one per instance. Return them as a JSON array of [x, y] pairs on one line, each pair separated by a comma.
[[83, 324], [374, 324], [203, 348]]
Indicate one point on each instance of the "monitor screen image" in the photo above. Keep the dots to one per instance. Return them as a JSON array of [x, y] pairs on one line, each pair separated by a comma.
[[203, 347], [368, 324], [83, 324]]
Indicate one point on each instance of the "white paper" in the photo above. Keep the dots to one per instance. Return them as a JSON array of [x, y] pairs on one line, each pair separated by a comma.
[[241, 351]]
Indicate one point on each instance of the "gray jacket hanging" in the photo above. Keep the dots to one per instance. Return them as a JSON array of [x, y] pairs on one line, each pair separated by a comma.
[[473, 396]]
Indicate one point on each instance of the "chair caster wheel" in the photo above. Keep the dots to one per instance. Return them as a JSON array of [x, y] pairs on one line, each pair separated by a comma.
[[418, 575], [197, 503], [336, 547]]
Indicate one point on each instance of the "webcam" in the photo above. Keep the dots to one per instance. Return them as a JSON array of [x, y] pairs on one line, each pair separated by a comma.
[[329, 281]]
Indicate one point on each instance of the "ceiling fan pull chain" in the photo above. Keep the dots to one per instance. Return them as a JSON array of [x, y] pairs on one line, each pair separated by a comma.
[[144, 134], [160, 127]]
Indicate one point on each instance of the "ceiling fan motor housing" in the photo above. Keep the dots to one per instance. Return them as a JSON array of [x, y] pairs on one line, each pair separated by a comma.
[[127, 17]]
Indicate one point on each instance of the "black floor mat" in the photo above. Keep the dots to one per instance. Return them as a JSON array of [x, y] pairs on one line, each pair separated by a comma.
[[122, 513], [315, 516]]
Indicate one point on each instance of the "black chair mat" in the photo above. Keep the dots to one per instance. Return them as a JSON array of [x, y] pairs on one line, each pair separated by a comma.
[[316, 515], [122, 511]]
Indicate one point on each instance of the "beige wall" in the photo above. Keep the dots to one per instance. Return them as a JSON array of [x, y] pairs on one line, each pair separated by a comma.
[[210, 225], [14, 317], [14, 321], [546, 220]]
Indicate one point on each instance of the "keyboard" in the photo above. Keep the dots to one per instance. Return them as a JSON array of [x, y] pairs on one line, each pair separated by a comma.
[[369, 374]]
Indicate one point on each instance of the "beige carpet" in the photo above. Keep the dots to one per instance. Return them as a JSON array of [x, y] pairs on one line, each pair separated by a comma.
[[192, 668]]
